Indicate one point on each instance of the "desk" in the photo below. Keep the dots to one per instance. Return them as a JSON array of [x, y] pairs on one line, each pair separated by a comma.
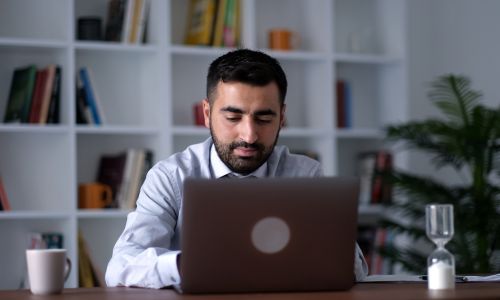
[[375, 291]]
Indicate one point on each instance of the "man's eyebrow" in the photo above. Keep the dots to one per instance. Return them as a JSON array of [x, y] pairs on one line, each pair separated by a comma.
[[232, 109], [264, 112]]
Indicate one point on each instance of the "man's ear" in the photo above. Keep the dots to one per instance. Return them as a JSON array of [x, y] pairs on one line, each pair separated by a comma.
[[283, 116], [206, 112]]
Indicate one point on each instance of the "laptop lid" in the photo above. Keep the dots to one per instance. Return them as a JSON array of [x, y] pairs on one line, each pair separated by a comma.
[[264, 235]]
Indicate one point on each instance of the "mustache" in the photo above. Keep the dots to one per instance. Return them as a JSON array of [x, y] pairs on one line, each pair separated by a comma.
[[255, 146]]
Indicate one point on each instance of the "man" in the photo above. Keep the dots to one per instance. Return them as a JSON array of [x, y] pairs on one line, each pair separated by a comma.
[[245, 110]]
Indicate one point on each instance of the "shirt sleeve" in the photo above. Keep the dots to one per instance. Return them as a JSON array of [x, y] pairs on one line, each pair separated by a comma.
[[142, 256], [360, 265]]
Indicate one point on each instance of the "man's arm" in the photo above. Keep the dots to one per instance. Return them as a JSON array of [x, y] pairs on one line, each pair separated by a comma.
[[141, 256]]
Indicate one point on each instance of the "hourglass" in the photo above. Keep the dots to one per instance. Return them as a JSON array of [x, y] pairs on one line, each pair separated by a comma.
[[440, 263]]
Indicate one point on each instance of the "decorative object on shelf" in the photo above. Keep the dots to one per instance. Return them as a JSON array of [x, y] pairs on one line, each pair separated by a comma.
[[94, 195], [283, 39], [89, 29], [465, 139], [440, 263]]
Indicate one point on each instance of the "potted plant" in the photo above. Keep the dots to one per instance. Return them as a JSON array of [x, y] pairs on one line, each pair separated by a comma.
[[467, 139]]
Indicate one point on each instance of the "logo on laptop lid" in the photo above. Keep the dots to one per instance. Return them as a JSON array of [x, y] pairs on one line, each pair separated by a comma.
[[270, 235]]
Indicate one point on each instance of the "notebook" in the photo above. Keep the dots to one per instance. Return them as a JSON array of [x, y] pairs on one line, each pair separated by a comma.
[[268, 235]]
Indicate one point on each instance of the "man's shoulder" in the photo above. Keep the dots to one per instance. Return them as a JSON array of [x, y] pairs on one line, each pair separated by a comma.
[[283, 163], [192, 161]]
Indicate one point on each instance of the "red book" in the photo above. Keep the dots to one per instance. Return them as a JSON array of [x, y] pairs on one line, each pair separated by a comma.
[[36, 102], [3, 197], [341, 105], [199, 117]]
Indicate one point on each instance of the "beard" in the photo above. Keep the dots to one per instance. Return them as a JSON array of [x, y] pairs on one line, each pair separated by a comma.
[[240, 164]]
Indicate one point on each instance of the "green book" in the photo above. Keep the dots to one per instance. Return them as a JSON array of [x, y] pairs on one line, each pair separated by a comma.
[[20, 95]]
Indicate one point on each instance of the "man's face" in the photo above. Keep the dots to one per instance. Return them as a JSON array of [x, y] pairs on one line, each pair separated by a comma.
[[244, 121]]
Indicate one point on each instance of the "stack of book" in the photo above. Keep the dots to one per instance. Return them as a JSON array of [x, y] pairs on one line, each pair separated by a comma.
[[126, 21], [374, 188], [88, 104], [124, 173], [371, 240], [213, 23], [34, 95]]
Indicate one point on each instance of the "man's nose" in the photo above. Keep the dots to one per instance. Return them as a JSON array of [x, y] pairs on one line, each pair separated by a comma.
[[248, 131]]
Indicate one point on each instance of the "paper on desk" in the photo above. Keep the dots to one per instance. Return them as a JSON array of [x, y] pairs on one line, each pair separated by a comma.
[[417, 278], [471, 278], [393, 278]]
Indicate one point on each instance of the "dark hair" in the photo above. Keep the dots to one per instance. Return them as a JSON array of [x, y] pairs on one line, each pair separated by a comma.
[[246, 66]]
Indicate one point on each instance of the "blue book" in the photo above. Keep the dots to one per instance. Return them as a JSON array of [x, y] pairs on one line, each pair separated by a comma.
[[90, 95]]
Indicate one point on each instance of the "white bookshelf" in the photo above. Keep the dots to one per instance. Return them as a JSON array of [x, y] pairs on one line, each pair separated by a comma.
[[147, 92]]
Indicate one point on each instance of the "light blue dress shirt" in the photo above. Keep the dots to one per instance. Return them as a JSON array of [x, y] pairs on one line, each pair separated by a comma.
[[145, 254]]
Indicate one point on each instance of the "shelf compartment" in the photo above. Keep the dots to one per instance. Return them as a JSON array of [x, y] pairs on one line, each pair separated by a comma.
[[126, 86], [16, 234], [47, 19], [17, 57], [309, 19], [369, 27], [100, 235], [34, 173], [92, 146]]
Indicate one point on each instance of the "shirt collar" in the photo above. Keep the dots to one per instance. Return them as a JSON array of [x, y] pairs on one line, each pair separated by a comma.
[[220, 169]]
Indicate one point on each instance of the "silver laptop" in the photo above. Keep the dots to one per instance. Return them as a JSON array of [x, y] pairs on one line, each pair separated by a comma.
[[268, 235]]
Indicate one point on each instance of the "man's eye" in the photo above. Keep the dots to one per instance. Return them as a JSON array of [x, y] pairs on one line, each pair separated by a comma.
[[233, 119], [264, 121]]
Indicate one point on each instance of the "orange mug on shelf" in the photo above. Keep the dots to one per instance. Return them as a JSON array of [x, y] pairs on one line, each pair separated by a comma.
[[283, 39], [94, 195]]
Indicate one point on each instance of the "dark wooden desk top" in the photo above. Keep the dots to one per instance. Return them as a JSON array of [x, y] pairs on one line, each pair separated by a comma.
[[375, 291]]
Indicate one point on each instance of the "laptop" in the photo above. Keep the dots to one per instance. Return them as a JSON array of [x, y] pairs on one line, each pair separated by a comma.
[[268, 235]]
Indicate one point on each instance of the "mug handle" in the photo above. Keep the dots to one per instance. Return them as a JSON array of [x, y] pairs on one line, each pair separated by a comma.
[[67, 269]]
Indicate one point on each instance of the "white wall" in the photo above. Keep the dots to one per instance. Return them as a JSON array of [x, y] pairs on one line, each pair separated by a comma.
[[452, 36]]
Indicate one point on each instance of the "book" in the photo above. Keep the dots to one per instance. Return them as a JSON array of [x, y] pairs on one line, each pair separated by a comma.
[[127, 20], [135, 178], [55, 98], [343, 93], [110, 172], [83, 114], [48, 84], [230, 24], [201, 17], [91, 96], [365, 169], [218, 29], [36, 101], [4, 200], [20, 95], [198, 115], [141, 30], [88, 273], [381, 191], [115, 19]]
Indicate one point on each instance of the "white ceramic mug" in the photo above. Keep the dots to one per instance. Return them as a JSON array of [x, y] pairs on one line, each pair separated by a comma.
[[48, 269]]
